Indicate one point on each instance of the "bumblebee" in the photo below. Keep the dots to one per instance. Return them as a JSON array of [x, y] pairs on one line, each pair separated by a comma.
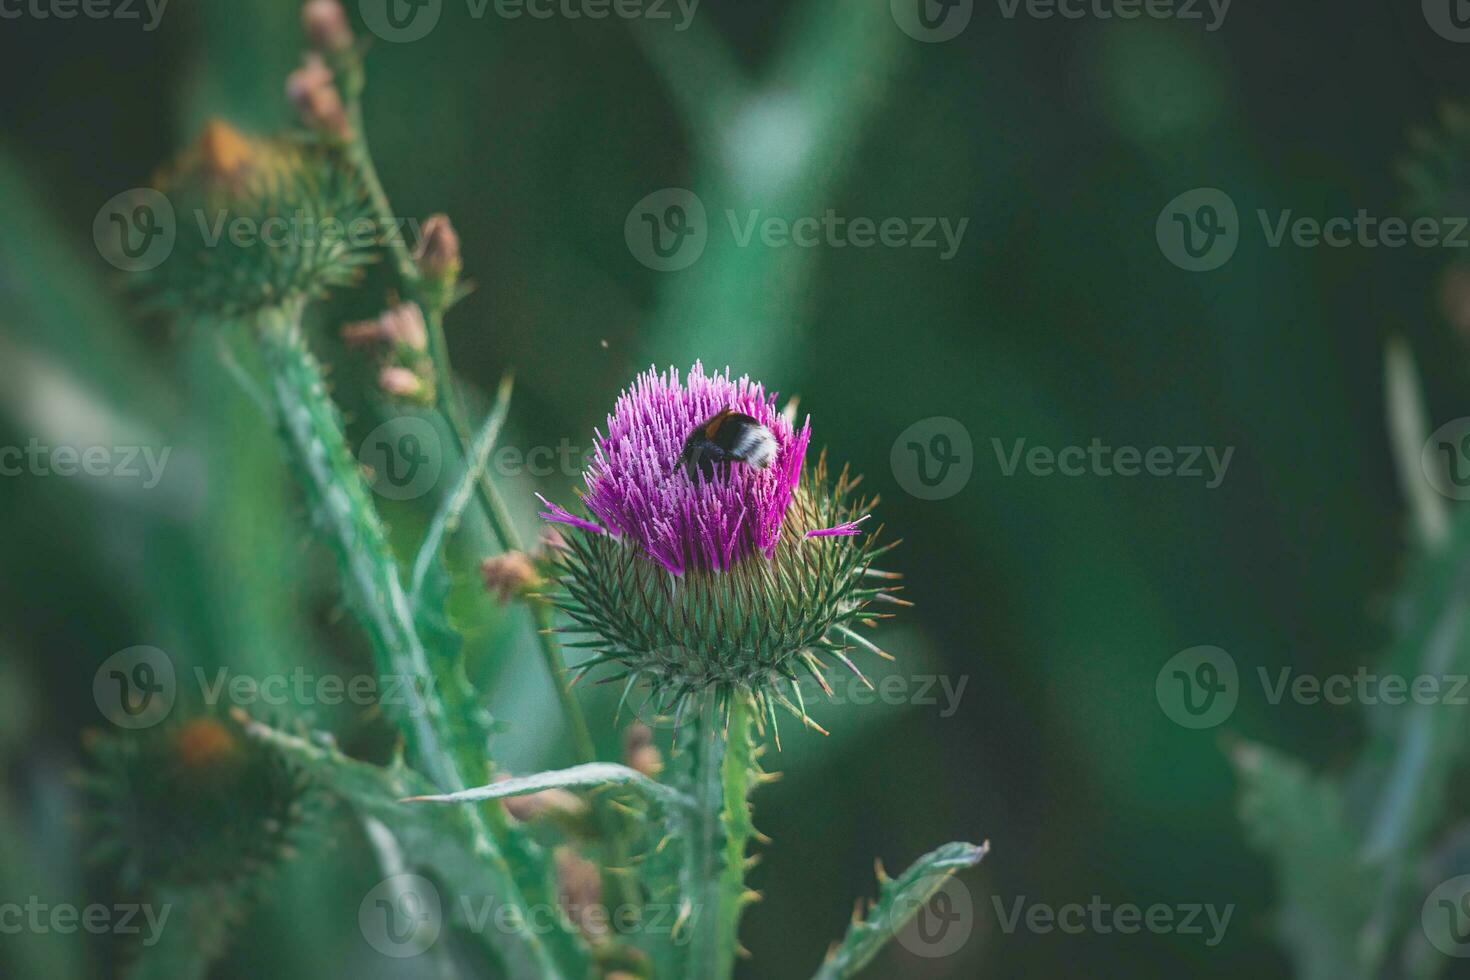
[[727, 437]]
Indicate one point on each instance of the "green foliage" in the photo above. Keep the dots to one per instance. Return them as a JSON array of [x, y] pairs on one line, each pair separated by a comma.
[[744, 636], [899, 900], [446, 842], [1326, 889]]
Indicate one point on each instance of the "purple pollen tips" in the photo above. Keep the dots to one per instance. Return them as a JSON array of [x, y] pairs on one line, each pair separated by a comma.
[[847, 529], [698, 472], [557, 514]]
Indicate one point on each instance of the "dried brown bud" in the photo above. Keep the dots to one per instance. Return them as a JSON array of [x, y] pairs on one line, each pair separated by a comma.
[[639, 752], [325, 25], [509, 574], [437, 252], [400, 382], [543, 803], [311, 90], [579, 886]]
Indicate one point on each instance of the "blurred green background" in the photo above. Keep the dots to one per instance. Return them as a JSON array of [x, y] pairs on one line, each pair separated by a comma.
[[1059, 320]]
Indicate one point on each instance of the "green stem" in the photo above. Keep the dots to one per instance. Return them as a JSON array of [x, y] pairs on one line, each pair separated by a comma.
[[446, 394], [312, 429], [724, 769], [620, 890]]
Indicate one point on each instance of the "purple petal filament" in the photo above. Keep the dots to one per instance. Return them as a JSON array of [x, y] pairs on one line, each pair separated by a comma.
[[635, 489]]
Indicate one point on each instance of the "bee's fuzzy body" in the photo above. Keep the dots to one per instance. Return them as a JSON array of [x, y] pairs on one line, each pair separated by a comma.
[[727, 437]]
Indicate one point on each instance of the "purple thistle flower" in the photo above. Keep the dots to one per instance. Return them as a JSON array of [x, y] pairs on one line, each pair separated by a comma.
[[706, 577], [637, 491]]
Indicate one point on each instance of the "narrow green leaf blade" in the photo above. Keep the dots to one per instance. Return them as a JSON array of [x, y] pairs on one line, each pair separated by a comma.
[[899, 900]]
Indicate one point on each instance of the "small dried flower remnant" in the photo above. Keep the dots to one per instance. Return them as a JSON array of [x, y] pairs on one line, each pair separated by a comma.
[[510, 574], [401, 382], [397, 326], [325, 24], [727, 585], [312, 90]]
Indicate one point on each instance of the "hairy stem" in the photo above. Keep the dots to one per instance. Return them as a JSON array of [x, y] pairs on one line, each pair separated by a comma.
[[715, 849], [312, 429]]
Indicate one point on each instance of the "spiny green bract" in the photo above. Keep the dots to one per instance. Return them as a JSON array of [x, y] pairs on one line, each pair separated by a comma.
[[754, 631]]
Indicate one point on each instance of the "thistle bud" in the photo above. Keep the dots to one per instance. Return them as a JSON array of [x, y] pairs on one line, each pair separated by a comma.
[[401, 382], [325, 25], [640, 753], [437, 252], [437, 255], [197, 804], [311, 90], [509, 574]]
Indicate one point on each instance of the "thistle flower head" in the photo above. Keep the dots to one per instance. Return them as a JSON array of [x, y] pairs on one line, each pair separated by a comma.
[[732, 579], [260, 222], [195, 803]]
